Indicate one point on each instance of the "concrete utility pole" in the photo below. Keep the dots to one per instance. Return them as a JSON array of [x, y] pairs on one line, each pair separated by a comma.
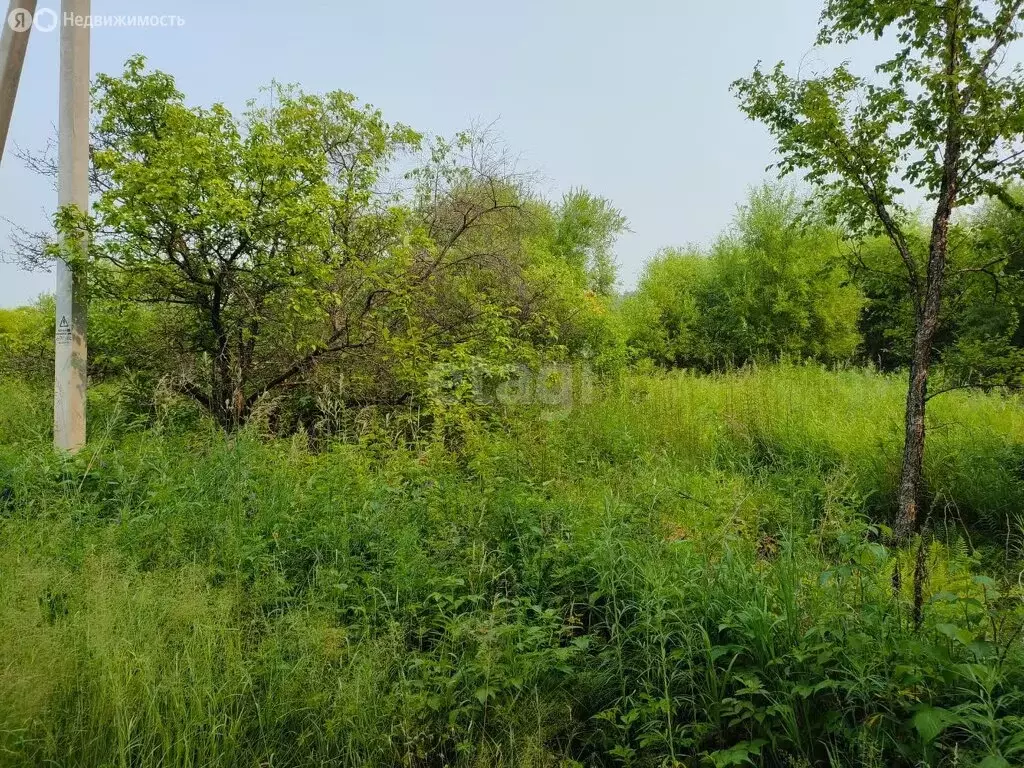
[[72, 189], [13, 44]]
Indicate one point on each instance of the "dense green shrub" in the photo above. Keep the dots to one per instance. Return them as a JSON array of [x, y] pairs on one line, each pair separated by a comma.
[[773, 288], [256, 258], [26, 341]]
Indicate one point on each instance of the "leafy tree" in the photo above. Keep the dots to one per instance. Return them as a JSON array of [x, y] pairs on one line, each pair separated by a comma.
[[586, 230], [773, 287], [887, 320], [781, 290], [943, 115], [281, 249], [239, 227], [571, 278], [987, 327], [665, 313], [978, 339]]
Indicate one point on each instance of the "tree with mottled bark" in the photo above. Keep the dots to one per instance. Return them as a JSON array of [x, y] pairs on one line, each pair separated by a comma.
[[942, 116]]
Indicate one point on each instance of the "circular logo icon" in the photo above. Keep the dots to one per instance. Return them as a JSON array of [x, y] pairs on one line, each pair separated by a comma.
[[46, 20], [20, 20]]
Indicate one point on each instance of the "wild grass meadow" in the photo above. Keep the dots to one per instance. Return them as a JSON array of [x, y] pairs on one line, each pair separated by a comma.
[[773, 515], [685, 570]]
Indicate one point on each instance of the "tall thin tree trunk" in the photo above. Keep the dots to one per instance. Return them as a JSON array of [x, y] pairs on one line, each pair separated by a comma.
[[930, 300], [912, 472]]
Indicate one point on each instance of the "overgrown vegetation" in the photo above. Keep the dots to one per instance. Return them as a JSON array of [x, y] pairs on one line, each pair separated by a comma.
[[939, 115], [274, 252], [773, 288], [688, 570], [384, 468]]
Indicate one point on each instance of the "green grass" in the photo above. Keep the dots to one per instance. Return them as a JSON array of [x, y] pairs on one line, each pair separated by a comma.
[[687, 569]]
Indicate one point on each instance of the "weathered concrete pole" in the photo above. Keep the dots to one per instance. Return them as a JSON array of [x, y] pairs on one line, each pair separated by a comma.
[[13, 43], [72, 189]]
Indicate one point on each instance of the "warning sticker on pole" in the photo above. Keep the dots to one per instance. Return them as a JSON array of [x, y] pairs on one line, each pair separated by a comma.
[[63, 330]]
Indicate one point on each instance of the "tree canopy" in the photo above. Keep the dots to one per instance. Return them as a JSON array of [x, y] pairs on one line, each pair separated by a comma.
[[310, 232], [942, 115]]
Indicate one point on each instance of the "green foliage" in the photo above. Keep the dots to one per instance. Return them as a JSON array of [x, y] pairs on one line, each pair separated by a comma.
[[988, 332], [772, 288], [373, 567], [26, 341], [941, 116], [664, 315], [254, 260], [979, 338], [863, 141], [239, 226], [585, 232], [688, 571]]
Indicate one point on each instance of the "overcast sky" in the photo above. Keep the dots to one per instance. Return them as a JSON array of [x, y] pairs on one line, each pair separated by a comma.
[[630, 100]]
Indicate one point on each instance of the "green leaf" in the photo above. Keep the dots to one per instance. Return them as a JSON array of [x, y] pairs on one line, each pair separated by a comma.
[[931, 721], [956, 633], [738, 754], [983, 649], [484, 693]]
